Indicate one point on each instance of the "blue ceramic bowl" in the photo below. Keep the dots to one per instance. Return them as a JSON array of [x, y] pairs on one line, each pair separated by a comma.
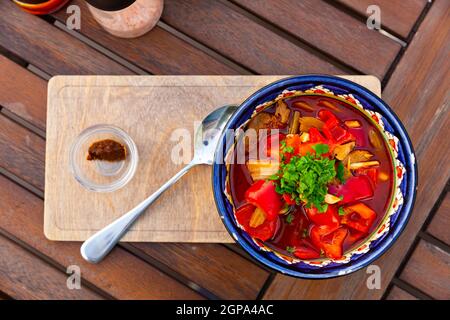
[[396, 218]]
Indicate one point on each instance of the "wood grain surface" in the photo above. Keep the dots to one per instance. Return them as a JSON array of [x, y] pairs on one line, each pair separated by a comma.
[[209, 267], [396, 15], [425, 115], [212, 266], [239, 38], [16, 83], [341, 36], [22, 217], [440, 225], [158, 51], [16, 140], [429, 270], [150, 109], [397, 293], [28, 36], [25, 276], [221, 37]]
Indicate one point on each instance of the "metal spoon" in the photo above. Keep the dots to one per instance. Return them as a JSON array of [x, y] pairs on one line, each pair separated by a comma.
[[206, 139]]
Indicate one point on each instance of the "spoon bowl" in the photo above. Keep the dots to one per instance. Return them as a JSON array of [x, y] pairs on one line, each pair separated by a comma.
[[208, 134]]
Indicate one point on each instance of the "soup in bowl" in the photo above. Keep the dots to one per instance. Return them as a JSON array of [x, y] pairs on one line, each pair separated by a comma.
[[314, 181]]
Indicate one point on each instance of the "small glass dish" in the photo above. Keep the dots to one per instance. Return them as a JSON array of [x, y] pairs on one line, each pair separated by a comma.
[[99, 175]]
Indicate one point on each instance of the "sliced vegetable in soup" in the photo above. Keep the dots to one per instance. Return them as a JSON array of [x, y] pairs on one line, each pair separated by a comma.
[[324, 184]]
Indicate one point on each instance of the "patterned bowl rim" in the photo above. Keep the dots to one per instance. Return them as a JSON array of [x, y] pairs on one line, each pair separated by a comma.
[[395, 198], [409, 163]]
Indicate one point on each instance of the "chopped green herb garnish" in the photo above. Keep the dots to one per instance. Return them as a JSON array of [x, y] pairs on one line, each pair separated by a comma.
[[290, 249], [289, 218], [341, 211], [306, 178], [288, 149], [340, 172], [305, 233], [321, 149]]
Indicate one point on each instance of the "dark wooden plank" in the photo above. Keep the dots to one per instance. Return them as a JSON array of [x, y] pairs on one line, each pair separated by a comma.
[[25, 276], [236, 36], [228, 275], [397, 293], [397, 15], [49, 48], [22, 152], [121, 274], [417, 91], [212, 266], [440, 225], [428, 269], [22, 92], [158, 51], [330, 30]]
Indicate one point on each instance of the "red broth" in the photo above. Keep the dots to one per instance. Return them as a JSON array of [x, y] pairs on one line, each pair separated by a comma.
[[288, 234]]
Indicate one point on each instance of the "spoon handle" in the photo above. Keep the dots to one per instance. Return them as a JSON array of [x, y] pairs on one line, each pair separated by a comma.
[[101, 243]]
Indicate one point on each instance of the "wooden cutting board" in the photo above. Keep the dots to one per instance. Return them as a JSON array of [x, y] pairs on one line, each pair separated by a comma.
[[149, 109]]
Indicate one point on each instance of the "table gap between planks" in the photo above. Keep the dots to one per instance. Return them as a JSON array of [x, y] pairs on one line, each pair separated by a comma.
[[220, 37]]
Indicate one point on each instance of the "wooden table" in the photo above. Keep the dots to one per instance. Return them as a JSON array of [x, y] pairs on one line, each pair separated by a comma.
[[410, 56]]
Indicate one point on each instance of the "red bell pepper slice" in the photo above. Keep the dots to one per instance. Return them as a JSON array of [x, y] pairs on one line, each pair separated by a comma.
[[263, 195], [328, 117], [305, 250], [334, 133], [317, 231], [330, 242], [316, 136], [333, 130], [354, 189], [372, 173], [359, 217], [337, 134], [328, 218], [264, 231]]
